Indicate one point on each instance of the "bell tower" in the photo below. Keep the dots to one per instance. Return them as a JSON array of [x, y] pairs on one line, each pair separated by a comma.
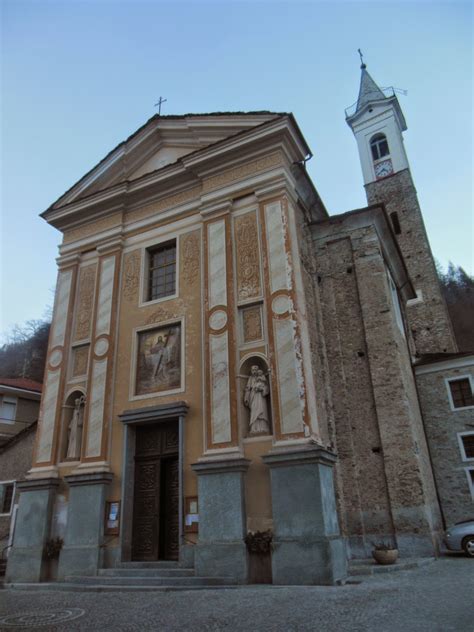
[[377, 121]]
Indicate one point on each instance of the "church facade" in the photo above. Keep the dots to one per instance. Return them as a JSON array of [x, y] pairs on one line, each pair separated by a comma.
[[226, 358]]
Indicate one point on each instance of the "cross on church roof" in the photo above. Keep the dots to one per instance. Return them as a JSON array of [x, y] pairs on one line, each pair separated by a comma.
[[160, 101]]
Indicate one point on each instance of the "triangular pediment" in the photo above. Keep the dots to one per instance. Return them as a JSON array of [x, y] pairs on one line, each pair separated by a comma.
[[160, 142]]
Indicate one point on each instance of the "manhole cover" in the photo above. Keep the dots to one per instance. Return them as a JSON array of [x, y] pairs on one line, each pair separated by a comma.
[[38, 619]]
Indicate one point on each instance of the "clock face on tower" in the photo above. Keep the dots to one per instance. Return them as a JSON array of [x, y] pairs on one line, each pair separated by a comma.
[[383, 169]]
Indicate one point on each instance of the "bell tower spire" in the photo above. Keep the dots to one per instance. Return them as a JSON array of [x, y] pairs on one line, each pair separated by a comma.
[[377, 122]]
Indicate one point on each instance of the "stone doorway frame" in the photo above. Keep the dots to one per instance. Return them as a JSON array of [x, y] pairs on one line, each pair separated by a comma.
[[150, 415]]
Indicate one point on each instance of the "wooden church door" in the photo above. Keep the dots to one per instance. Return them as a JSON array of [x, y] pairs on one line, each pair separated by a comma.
[[155, 534]]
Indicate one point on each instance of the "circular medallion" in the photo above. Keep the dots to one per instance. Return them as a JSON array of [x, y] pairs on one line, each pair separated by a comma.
[[42, 618], [281, 304], [55, 358], [101, 347], [218, 319]]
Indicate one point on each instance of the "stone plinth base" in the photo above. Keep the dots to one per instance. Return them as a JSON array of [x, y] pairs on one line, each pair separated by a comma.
[[81, 554], [226, 560], [221, 551], [307, 546], [33, 522]]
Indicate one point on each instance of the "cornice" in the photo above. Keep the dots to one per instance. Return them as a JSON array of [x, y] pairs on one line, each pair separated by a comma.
[[188, 170], [445, 365], [380, 106], [68, 260], [376, 217]]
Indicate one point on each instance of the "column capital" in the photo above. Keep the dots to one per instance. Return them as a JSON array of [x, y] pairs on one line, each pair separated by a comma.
[[300, 456], [35, 484], [221, 466], [92, 478]]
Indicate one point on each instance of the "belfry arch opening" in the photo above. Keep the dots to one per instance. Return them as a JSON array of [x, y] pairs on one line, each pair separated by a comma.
[[379, 146]]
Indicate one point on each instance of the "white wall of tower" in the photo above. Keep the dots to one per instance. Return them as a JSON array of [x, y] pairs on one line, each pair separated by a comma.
[[382, 119]]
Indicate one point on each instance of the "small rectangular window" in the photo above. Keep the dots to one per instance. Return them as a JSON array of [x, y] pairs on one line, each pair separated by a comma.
[[461, 393], [162, 271], [470, 478], [6, 494], [468, 445], [8, 410], [395, 223]]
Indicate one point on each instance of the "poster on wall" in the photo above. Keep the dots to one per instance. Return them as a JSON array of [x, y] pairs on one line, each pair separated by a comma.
[[159, 360]]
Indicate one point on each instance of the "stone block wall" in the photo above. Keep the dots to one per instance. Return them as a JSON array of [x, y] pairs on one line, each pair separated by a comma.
[[443, 426], [429, 321], [384, 481], [15, 461]]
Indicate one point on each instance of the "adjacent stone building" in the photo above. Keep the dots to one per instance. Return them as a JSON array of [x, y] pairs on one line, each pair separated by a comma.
[[226, 358], [19, 405], [19, 409], [445, 386], [15, 461]]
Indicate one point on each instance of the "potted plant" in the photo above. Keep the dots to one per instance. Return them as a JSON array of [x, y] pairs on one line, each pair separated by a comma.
[[384, 553], [259, 546]]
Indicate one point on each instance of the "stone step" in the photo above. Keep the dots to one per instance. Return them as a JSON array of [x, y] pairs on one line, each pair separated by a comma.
[[370, 567], [146, 572], [158, 564], [146, 581], [97, 588]]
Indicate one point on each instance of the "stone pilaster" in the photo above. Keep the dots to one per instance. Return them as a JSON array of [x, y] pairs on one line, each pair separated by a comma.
[[26, 559], [221, 551], [81, 554], [307, 547]]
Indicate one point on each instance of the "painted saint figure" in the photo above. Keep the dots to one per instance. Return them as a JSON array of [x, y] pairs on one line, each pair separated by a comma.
[[75, 429], [158, 359], [256, 392]]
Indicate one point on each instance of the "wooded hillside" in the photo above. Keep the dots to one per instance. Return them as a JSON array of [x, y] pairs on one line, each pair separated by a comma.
[[458, 290]]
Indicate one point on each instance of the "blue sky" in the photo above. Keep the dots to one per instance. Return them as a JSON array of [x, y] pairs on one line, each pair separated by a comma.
[[79, 77]]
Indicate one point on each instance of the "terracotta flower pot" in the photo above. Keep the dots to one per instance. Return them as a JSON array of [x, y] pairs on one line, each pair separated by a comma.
[[385, 557]]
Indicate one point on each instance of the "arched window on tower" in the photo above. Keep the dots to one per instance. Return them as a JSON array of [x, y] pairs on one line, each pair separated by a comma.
[[379, 146]]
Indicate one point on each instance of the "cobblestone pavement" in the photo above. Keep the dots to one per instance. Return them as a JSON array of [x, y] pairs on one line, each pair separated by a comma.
[[434, 598]]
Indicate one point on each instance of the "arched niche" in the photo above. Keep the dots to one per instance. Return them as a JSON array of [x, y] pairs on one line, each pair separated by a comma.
[[246, 364], [72, 424]]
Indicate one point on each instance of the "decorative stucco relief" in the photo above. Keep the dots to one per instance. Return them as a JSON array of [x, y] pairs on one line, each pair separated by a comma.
[[190, 257], [252, 323], [161, 314], [248, 266], [80, 360], [85, 302], [92, 228], [131, 275], [164, 204], [237, 173]]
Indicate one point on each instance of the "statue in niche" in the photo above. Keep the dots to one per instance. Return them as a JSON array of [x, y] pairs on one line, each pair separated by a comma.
[[75, 429], [256, 392]]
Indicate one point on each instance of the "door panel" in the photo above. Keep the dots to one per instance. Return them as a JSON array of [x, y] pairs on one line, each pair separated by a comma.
[[146, 510], [155, 532], [170, 509]]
